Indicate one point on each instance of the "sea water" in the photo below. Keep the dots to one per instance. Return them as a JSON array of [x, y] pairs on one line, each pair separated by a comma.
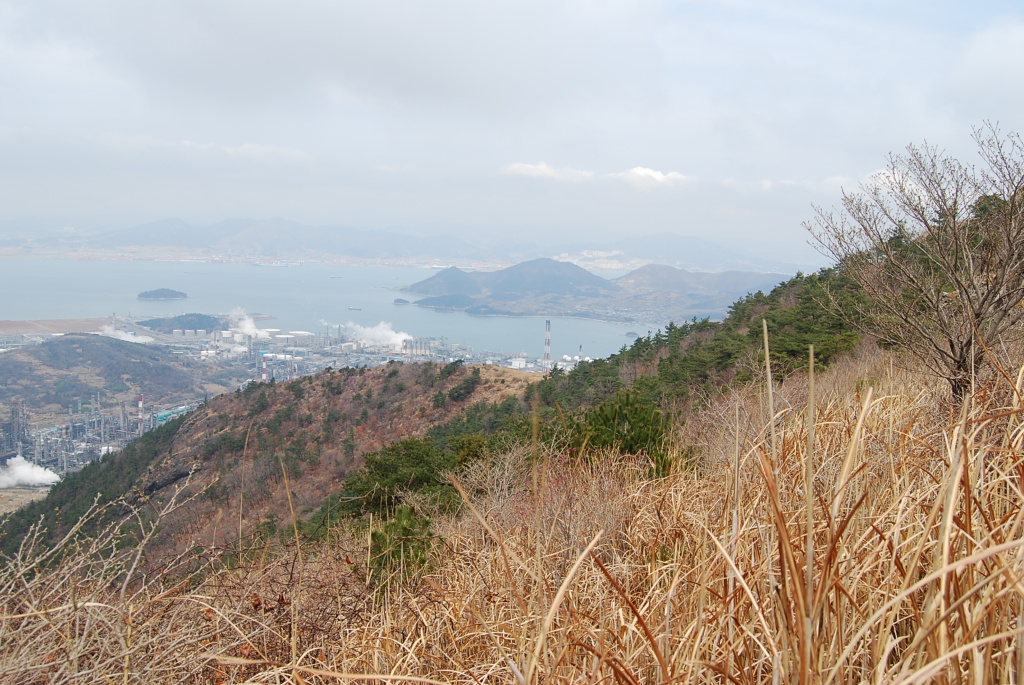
[[306, 297]]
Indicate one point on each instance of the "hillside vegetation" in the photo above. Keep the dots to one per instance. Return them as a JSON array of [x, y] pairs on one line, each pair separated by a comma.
[[864, 533], [775, 498], [688, 510]]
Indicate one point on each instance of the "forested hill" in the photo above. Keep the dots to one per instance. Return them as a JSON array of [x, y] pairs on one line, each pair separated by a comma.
[[692, 359], [535, 277]]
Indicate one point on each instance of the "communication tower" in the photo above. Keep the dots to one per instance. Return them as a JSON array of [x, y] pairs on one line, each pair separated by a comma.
[[547, 342]]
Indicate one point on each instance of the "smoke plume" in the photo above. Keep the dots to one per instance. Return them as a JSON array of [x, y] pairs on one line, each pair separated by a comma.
[[128, 336], [381, 335], [20, 472], [243, 323]]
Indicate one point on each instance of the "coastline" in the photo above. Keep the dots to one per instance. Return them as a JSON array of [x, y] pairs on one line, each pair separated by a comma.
[[295, 298], [539, 315]]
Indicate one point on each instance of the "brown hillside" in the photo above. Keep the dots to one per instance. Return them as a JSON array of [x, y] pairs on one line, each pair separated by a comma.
[[317, 428], [49, 377]]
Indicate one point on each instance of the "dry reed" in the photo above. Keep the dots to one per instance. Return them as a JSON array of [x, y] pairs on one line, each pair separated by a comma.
[[849, 529]]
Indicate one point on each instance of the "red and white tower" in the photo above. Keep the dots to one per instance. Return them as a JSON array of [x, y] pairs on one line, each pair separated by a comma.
[[547, 342]]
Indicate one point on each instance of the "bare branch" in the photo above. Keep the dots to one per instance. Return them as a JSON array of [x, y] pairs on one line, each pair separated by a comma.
[[937, 247]]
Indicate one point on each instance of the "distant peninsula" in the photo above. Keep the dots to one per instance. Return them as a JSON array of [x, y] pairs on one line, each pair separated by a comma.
[[546, 287], [163, 294]]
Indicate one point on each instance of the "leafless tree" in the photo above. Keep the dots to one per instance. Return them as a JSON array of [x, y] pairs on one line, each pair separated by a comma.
[[937, 248]]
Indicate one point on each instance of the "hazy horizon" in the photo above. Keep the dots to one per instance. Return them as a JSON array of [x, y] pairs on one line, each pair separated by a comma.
[[567, 122]]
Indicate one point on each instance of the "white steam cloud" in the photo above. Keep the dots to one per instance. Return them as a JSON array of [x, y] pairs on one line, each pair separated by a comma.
[[20, 472], [129, 336], [328, 325], [243, 323], [381, 335]]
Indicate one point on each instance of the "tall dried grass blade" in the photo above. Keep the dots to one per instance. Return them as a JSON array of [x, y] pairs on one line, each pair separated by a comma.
[[505, 552], [241, 483], [666, 672], [851, 453], [293, 607], [809, 523], [555, 604], [871, 621]]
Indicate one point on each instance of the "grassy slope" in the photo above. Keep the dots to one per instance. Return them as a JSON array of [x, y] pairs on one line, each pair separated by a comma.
[[588, 571]]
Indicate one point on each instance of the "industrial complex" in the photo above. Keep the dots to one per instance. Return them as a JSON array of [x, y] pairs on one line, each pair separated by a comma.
[[261, 355]]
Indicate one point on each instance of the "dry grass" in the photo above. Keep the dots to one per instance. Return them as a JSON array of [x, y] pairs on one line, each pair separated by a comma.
[[877, 538], [12, 499]]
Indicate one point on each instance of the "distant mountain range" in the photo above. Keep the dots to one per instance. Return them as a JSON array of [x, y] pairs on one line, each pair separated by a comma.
[[281, 239], [653, 293], [538, 277]]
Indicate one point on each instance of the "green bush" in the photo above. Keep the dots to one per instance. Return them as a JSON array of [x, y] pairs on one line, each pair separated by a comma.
[[466, 387], [631, 425], [413, 465], [449, 369], [400, 547]]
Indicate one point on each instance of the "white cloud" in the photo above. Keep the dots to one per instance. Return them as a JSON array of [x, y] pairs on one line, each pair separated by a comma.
[[639, 176], [895, 183], [357, 113], [544, 170], [978, 84], [647, 178], [837, 181], [832, 185]]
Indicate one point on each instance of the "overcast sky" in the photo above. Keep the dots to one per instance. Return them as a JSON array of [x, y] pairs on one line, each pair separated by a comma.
[[585, 119]]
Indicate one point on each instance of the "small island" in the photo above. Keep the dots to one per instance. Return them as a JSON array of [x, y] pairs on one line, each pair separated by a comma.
[[163, 294]]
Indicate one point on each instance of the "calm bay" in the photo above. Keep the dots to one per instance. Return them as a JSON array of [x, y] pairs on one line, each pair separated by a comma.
[[306, 297]]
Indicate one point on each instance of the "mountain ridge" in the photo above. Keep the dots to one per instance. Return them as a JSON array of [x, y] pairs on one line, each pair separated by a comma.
[[555, 288]]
